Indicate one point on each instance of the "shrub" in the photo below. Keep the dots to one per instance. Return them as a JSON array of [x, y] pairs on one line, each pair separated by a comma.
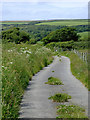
[[61, 45], [62, 35], [15, 35]]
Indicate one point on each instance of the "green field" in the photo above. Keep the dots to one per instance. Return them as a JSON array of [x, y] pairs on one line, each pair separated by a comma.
[[84, 35], [53, 22], [65, 22], [14, 22]]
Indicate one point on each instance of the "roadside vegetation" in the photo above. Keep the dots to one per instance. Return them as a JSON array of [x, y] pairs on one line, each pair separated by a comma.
[[70, 111], [24, 54], [0, 80], [78, 68], [60, 97], [54, 81], [20, 63]]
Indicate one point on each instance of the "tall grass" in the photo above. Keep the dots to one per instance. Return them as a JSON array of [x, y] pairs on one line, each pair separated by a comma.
[[20, 63], [0, 80]]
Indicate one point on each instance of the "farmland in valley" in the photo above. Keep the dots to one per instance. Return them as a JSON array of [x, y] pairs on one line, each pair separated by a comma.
[[65, 22], [28, 57]]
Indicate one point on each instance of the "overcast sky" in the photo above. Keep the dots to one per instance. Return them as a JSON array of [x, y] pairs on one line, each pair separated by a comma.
[[43, 9]]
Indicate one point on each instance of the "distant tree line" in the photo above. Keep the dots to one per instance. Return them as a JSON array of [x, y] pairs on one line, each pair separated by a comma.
[[38, 32], [16, 35], [62, 35]]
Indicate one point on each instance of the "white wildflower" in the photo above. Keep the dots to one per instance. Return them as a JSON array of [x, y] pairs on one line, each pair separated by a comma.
[[27, 52], [10, 50], [11, 62], [24, 51], [4, 67], [27, 55], [22, 48]]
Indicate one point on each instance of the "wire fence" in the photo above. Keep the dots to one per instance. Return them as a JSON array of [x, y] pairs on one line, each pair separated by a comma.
[[82, 55]]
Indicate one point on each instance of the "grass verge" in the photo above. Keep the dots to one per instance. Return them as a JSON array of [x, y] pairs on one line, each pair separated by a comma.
[[54, 81], [60, 97], [19, 63], [70, 111], [78, 68]]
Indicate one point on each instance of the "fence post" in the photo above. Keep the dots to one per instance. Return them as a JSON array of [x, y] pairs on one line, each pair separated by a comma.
[[82, 55]]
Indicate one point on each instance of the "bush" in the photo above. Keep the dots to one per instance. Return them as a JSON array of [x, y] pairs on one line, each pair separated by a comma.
[[62, 35], [58, 45], [15, 35], [81, 45], [68, 45]]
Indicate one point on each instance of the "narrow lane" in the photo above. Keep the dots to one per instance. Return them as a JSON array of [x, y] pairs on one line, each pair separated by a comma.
[[35, 102]]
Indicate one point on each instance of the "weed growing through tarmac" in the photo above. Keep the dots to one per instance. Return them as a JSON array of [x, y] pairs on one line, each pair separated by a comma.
[[54, 81], [70, 111], [59, 59], [60, 97]]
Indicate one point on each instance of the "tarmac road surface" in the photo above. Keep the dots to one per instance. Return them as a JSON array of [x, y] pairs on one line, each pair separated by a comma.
[[35, 102]]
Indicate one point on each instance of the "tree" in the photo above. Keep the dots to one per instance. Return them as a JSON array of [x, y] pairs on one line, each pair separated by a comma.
[[24, 37], [62, 35], [15, 35]]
